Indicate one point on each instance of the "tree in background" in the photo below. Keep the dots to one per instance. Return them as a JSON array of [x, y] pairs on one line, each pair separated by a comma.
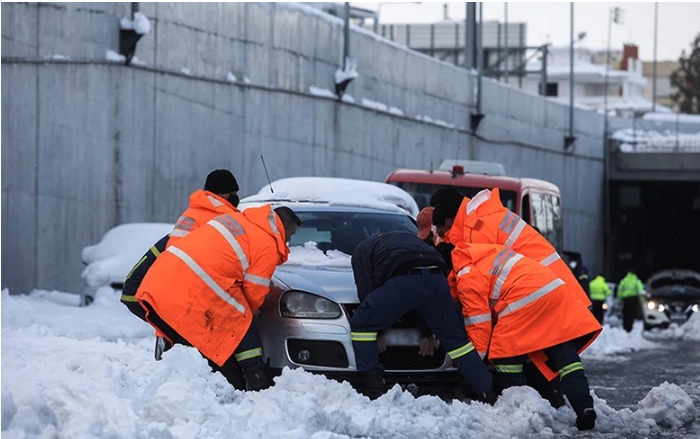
[[686, 80]]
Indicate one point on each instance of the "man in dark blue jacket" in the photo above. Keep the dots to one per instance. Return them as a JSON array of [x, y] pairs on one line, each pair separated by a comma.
[[397, 272]]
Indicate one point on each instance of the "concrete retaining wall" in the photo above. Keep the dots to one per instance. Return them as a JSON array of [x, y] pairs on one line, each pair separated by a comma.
[[89, 143]]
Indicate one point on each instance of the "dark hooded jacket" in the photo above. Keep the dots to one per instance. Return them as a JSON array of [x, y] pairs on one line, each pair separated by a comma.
[[385, 255]]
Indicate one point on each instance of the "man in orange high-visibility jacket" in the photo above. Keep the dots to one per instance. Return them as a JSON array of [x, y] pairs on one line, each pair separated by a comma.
[[220, 194], [515, 308], [484, 219], [205, 289]]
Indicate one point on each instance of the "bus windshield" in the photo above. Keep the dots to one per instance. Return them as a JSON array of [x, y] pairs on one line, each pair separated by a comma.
[[422, 192]]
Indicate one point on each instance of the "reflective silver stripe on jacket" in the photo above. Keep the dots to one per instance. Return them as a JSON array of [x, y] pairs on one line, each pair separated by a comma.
[[531, 297], [179, 233], [257, 279], [478, 200], [214, 201], [515, 234], [464, 270], [481, 318], [501, 279], [199, 271], [550, 259], [226, 233], [272, 219]]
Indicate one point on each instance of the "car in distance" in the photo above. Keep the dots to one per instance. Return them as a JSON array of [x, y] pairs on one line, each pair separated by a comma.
[[108, 262], [672, 297]]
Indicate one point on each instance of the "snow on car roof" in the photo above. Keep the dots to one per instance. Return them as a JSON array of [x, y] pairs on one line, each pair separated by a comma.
[[338, 191], [111, 259]]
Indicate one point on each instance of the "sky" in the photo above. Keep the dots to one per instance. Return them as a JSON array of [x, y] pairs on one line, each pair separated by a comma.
[[678, 23]]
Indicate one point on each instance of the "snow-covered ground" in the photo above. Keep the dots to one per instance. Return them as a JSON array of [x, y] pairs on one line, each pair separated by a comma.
[[72, 372]]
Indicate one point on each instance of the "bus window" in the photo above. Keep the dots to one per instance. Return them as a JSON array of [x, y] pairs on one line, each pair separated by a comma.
[[546, 217], [422, 192], [556, 235], [525, 209]]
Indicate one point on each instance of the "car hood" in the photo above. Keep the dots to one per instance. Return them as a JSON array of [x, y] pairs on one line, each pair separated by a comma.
[[335, 283]]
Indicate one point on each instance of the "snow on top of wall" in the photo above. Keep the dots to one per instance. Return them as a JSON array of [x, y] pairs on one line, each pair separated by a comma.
[[139, 24], [632, 140]]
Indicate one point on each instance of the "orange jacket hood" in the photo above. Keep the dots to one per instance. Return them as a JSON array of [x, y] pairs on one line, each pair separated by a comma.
[[265, 218], [205, 200]]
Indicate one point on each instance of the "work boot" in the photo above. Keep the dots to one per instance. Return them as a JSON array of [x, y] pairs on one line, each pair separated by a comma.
[[162, 345], [488, 397], [585, 420], [374, 383], [256, 377], [556, 399]]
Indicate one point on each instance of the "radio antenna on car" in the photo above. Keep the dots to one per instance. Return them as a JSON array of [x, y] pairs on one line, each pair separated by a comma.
[[268, 175]]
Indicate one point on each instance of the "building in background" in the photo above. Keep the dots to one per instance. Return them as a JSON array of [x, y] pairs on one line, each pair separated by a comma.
[[664, 90], [626, 82]]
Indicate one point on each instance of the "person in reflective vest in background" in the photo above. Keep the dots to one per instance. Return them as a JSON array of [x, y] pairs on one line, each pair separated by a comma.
[[628, 291], [205, 289], [220, 195], [396, 272], [515, 308], [599, 293]]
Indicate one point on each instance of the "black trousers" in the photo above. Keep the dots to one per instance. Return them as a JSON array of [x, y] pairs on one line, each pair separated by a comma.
[[630, 310], [231, 369], [573, 381], [429, 294], [598, 311], [136, 309]]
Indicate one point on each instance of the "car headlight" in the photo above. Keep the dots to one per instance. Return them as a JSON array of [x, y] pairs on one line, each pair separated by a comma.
[[695, 308], [651, 304], [300, 305]]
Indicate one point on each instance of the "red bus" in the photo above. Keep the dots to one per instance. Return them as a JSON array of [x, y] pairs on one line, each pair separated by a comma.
[[538, 202]]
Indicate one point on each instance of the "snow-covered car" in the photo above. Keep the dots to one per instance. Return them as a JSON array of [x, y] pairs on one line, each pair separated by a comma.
[[672, 297], [108, 262], [304, 321]]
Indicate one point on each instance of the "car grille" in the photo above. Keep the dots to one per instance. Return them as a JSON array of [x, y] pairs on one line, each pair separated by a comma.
[[403, 357], [317, 353]]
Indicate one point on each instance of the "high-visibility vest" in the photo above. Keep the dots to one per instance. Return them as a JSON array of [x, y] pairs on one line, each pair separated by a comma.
[[629, 286], [204, 205], [513, 305], [483, 219], [208, 284], [599, 288]]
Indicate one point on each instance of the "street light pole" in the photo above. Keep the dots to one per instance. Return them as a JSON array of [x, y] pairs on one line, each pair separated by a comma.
[[605, 88], [506, 38], [653, 84], [570, 139]]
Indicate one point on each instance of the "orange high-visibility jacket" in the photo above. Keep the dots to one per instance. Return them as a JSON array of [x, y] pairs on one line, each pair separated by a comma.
[[204, 205], [208, 284], [515, 306], [483, 219]]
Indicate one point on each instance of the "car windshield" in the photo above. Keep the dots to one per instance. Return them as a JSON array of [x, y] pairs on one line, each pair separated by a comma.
[[343, 231]]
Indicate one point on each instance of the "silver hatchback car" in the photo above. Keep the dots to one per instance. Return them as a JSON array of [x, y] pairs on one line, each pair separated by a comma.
[[304, 321]]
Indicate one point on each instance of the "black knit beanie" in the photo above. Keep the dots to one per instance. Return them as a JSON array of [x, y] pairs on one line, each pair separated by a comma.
[[220, 182], [447, 207]]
